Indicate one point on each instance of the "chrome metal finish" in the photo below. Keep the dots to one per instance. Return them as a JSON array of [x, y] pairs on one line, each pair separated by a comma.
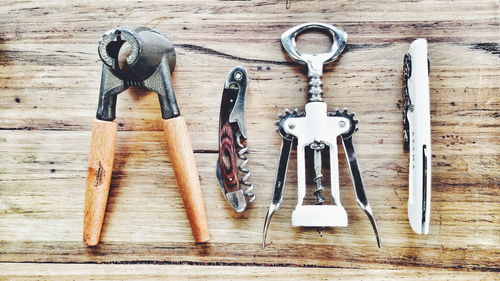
[[279, 182], [355, 171], [314, 61], [317, 147], [237, 200], [248, 186], [238, 77], [317, 129], [234, 135]]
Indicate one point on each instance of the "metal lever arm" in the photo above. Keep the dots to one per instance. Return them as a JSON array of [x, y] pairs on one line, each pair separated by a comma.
[[357, 181], [279, 184]]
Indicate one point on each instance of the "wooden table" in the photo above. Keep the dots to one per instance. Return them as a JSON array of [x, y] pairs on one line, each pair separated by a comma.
[[49, 82]]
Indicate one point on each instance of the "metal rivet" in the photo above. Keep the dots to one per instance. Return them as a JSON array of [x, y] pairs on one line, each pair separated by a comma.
[[238, 76], [341, 124], [291, 126]]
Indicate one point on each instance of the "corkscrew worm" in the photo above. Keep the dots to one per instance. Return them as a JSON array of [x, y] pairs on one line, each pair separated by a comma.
[[231, 170], [317, 129]]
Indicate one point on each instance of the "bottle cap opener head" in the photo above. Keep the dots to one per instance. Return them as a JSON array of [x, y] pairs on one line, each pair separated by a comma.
[[314, 61]]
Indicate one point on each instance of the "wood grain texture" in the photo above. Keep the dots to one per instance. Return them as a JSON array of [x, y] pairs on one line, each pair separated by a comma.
[[28, 272], [227, 160], [181, 155], [49, 82], [99, 172]]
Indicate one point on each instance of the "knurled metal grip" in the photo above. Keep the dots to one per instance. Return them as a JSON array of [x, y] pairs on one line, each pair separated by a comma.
[[314, 61], [146, 63]]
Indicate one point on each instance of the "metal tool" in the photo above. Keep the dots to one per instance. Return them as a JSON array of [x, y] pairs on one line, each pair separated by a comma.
[[317, 130], [146, 63], [417, 134], [233, 177]]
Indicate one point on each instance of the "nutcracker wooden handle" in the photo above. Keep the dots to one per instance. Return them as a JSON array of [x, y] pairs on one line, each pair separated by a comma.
[[99, 171], [181, 155]]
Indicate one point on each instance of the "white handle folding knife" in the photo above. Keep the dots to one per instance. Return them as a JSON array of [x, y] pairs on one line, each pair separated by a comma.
[[417, 134]]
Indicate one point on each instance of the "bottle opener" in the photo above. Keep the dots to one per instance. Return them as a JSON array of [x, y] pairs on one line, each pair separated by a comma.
[[417, 134], [317, 130], [233, 177]]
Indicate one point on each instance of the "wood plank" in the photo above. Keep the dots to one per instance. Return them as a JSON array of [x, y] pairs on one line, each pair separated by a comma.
[[49, 81], [161, 219], [278, 253], [75, 272]]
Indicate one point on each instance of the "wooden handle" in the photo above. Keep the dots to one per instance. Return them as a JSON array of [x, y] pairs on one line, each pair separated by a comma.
[[182, 157], [227, 146], [99, 170]]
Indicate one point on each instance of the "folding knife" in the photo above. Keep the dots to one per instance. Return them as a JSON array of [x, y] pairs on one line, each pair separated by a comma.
[[417, 134], [231, 172]]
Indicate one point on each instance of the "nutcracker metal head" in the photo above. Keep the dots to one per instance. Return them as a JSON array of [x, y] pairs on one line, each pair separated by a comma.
[[136, 57]]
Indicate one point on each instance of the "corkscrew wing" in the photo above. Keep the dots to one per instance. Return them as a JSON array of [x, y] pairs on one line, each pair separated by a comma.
[[317, 130]]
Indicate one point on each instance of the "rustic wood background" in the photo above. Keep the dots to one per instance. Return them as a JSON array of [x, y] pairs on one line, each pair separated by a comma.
[[49, 82]]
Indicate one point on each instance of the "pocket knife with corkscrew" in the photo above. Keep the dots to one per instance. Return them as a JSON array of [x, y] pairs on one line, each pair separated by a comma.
[[316, 130], [230, 170], [417, 134]]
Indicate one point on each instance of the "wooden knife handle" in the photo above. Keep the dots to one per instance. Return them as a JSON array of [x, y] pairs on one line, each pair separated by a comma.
[[184, 165], [99, 171], [227, 143]]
